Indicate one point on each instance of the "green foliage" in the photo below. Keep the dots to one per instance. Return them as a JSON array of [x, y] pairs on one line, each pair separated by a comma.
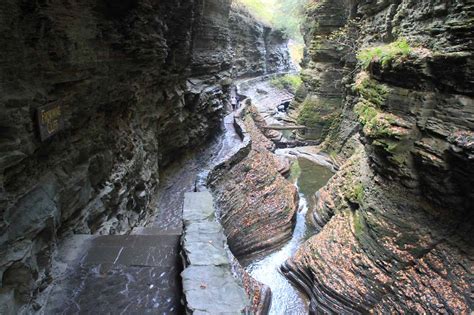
[[373, 95], [384, 54], [366, 112], [290, 82], [375, 122], [309, 115], [286, 15], [246, 168], [259, 9], [359, 224], [357, 193], [289, 17], [318, 113], [372, 91]]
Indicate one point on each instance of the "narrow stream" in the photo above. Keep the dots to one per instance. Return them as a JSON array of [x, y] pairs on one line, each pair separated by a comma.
[[308, 177]]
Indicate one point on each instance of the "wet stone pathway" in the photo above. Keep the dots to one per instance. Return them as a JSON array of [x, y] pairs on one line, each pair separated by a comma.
[[118, 274], [208, 283], [137, 273]]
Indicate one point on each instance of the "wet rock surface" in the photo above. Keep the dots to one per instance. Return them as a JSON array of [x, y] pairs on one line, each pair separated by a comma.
[[132, 273], [393, 222], [138, 84], [257, 205]]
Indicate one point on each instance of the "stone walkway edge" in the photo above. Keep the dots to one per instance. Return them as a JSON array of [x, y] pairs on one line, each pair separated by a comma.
[[209, 285]]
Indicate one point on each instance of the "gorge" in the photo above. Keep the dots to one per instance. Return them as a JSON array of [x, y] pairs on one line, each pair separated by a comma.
[[146, 166]]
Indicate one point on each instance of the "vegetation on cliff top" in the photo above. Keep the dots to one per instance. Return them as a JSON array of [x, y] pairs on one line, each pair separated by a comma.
[[385, 53], [281, 14], [286, 15]]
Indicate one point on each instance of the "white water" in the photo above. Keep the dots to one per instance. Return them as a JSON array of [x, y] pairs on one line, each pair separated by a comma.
[[285, 298]]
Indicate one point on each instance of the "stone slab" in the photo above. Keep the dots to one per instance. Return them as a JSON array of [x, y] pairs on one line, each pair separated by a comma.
[[204, 244], [102, 254], [157, 231], [208, 283], [197, 206], [136, 240], [117, 289], [213, 290], [133, 274]]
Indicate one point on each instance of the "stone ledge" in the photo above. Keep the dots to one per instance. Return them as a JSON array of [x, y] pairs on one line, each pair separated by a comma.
[[240, 154], [208, 283]]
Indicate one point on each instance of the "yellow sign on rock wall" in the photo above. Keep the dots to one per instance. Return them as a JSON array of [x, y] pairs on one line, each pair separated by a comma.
[[50, 120]]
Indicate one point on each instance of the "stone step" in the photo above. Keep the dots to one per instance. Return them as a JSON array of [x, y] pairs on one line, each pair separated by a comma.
[[110, 274], [204, 244], [212, 290]]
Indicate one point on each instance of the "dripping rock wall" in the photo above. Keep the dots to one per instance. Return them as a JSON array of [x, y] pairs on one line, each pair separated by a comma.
[[138, 82]]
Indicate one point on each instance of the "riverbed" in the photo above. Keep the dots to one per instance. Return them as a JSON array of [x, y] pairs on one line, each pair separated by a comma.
[[308, 177]]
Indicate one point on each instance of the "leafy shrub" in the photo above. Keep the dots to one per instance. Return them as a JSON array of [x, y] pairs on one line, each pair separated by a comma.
[[384, 54]]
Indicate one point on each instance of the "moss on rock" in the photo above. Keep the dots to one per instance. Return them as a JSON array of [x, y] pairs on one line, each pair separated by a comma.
[[384, 54], [318, 114]]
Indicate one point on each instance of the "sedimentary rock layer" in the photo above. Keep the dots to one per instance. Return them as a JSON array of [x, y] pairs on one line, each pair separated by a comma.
[[257, 205], [136, 84], [395, 221], [258, 49]]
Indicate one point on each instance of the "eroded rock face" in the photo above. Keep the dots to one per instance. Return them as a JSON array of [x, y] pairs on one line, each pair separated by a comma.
[[257, 204], [395, 220], [258, 49], [138, 83], [326, 62]]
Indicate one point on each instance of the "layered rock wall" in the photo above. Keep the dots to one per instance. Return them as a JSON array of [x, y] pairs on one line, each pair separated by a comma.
[[325, 64], [137, 83], [257, 204], [258, 49], [395, 220]]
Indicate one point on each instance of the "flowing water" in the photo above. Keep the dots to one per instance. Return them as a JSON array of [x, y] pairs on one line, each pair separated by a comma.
[[308, 177]]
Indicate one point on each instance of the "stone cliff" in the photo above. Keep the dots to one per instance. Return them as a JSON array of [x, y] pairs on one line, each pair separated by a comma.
[[258, 49], [395, 222], [136, 84]]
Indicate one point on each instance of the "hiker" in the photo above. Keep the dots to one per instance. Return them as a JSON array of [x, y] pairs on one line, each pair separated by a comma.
[[233, 101]]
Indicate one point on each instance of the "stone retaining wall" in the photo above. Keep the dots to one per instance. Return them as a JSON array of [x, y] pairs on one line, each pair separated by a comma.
[[208, 283]]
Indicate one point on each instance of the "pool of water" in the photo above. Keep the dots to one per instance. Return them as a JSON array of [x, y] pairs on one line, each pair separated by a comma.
[[308, 177]]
